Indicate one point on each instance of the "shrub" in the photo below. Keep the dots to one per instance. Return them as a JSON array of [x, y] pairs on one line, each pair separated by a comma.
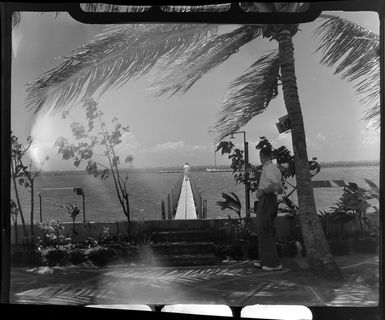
[[222, 251], [26, 256], [77, 256], [238, 250], [57, 257], [339, 247], [365, 245], [252, 250], [123, 250], [225, 234], [100, 256], [286, 247]]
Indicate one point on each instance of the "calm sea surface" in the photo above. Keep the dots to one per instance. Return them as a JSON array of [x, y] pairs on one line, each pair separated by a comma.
[[148, 189]]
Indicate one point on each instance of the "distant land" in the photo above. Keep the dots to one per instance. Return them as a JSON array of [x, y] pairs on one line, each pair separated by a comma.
[[365, 163], [331, 164]]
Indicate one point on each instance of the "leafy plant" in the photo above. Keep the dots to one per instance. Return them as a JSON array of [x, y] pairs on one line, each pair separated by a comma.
[[241, 227], [231, 202], [22, 175], [77, 256], [106, 236], [354, 205], [285, 162], [26, 255], [73, 210], [57, 256], [14, 212], [99, 255], [97, 134], [53, 232]]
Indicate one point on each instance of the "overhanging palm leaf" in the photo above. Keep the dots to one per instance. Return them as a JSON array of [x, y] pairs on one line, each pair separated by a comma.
[[193, 64], [112, 59], [354, 51], [249, 95], [16, 18], [231, 202]]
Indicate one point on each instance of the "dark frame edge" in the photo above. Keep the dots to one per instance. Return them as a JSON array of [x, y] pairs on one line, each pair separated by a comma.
[[5, 148]]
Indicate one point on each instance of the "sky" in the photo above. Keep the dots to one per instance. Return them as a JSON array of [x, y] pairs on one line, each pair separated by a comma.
[[172, 131]]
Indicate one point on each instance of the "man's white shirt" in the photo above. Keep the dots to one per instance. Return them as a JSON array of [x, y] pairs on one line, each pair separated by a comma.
[[270, 174]]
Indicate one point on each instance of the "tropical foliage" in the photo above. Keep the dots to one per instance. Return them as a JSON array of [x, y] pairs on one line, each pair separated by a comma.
[[96, 134], [355, 53], [231, 201], [73, 210], [24, 175], [354, 205], [285, 162]]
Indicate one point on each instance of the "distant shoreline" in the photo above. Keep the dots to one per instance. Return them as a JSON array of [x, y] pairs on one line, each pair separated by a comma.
[[349, 164], [333, 164]]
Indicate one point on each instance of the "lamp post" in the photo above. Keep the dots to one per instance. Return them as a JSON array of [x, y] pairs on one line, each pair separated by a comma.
[[247, 187]]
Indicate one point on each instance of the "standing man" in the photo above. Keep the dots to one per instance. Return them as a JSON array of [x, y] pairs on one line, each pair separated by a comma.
[[269, 186], [186, 169]]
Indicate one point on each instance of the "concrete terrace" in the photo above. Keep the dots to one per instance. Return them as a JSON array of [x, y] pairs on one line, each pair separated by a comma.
[[230, 283]]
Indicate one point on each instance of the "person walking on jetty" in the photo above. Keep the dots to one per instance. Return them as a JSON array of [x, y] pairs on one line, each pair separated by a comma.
[[269, 186], [186, 169]]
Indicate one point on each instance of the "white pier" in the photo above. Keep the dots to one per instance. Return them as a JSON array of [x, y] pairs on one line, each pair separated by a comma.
[[186, 207]]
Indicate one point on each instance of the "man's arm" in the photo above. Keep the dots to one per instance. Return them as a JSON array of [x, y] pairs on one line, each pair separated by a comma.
[[275, 182], [274, 187]]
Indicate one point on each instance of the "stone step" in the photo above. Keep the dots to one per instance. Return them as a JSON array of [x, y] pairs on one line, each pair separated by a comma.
[[180, 248], [181, 236], [185, 260]]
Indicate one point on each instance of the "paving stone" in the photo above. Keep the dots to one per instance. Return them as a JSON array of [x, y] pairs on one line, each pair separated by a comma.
[[233, 283]]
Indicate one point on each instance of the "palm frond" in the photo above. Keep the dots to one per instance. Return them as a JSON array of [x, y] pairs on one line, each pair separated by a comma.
[[114, 57], [372, 185], [354, 52], [182, 74], [249, 95], [16, 18]]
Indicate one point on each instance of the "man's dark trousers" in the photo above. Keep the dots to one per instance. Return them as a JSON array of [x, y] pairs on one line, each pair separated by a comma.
[[266, 213]]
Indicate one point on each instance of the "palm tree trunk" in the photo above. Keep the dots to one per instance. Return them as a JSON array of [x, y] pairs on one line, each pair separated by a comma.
[[18, 199], [32, 206], [320, 260]]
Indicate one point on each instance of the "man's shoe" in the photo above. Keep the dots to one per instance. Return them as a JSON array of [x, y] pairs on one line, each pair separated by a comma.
[[257, 264], [277, 268]]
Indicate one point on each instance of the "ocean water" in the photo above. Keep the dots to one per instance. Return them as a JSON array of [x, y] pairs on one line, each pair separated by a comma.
[[148, 189]]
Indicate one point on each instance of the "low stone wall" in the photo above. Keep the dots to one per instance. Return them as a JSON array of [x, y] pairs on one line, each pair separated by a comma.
[[142, 229]]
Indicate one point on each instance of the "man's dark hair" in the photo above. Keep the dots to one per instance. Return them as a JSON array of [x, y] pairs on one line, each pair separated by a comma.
[[267, 152]]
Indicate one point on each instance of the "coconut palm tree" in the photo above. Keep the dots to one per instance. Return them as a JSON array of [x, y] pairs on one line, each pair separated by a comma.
[[355, 52], [183, 53]]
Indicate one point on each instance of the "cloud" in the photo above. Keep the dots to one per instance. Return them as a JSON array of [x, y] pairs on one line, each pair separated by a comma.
[[320, 136], [283, 139], [129, 143], [168, 146], [16, 41], [370, 137], [176, 146]]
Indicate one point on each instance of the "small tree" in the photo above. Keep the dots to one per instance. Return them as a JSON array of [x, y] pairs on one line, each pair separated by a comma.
[[14, 213], [73, 210], [91, 137], [251, 174], [24, 175]]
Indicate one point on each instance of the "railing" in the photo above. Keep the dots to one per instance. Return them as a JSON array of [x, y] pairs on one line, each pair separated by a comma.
[[200, 204], [172, 200]]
